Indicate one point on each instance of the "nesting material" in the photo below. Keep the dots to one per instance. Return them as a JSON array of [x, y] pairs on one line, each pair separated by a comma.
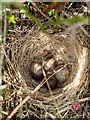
[[70, 70]]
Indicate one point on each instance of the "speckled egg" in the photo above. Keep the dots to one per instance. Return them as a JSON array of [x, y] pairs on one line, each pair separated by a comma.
[[63, 74], [53, 83], [50, 63], [36, 71]]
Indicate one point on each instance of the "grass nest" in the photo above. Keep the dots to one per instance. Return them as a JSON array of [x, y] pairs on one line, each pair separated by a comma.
[[67, 47]]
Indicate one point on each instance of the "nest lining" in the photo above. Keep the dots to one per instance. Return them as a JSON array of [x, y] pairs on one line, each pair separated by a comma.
[[66, 48]]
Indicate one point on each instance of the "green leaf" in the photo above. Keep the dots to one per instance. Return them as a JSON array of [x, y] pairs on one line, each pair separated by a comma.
[[23, 10], [51, 12], [12, 19]]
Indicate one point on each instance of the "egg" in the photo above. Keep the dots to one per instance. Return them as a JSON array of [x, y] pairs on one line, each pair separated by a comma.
[[50, 63], [53, 83], [63, 75], [36, 71]]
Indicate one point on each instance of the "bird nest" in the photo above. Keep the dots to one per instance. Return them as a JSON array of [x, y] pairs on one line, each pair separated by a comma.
[[68, 50]]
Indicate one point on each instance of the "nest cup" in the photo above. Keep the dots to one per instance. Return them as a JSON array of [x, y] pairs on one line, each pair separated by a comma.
[[67, 48]]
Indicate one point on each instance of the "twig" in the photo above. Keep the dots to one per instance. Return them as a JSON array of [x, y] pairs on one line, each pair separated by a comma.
[[25, 100], [85, 32], [5, 25], [55, 103], [15, 110], [39, 10]]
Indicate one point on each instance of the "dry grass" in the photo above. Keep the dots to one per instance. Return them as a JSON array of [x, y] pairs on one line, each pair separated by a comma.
[[52, 104], [23, 98]]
